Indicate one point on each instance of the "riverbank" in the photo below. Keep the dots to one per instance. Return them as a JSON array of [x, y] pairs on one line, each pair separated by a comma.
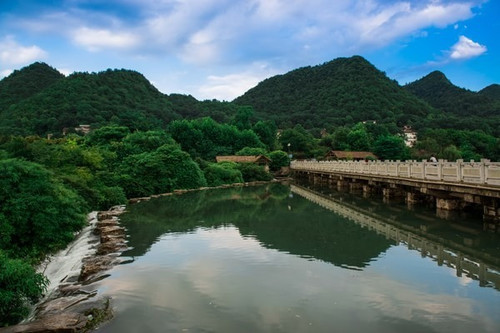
[[72, 304]]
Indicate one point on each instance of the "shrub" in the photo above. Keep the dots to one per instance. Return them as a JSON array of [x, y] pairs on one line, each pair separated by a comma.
[[20, 285], [278, 159], [39, 213], [253, 172], [222, 173]]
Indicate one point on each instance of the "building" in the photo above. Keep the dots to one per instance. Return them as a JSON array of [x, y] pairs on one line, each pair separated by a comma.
[[410, 136], [256, 159], [350, 155]]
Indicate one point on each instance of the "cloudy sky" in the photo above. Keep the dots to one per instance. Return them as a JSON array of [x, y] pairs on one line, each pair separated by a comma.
[[221, 48]]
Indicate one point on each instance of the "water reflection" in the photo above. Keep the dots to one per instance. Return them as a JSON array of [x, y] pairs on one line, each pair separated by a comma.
[[273, 259], [269, 214]]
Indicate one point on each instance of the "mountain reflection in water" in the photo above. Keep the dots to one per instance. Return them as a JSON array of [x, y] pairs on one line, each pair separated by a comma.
[[279, 258]]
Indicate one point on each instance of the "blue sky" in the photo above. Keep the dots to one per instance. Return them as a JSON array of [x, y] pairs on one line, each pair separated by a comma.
[[221, 48]]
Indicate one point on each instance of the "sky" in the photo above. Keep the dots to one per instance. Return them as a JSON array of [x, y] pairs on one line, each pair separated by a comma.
[[218, 49]]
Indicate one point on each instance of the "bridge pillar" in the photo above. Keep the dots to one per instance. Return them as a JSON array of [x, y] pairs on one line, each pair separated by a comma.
[[368, 190], [392, 194], [342, 185], [355, 187], [447, 204], [491, 215]]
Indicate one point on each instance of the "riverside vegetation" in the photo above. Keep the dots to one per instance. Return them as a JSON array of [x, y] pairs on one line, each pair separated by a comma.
[[145, 142]]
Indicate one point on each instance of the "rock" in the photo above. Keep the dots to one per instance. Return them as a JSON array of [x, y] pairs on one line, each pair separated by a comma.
[[57, 323], [94, 265], [112, 230]]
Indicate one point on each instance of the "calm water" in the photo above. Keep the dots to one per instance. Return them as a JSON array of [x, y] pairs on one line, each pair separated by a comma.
[[277, 258]]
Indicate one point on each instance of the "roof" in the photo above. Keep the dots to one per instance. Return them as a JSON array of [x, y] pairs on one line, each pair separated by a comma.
[[242, 159], [351, 154]]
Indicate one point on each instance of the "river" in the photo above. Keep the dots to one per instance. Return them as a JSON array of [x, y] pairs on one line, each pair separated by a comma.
[[280, 258]]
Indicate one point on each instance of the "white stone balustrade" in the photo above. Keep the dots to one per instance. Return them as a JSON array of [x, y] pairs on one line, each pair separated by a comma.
[[483, 172]]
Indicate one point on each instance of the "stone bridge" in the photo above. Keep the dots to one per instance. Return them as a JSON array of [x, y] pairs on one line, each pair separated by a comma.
[[447, 185]]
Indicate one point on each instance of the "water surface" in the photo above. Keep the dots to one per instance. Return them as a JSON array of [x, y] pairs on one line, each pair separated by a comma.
[[269, 259]]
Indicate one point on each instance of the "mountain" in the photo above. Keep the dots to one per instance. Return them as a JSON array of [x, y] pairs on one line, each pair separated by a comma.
[[438, 91], [121, 97], [340, 92], [24, 83], [491, 91]]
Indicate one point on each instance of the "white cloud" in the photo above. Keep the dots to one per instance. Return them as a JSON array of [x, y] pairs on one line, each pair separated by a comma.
[[465, 48], [98, 39], [228, 87], [5, 73], [13, 53], [385, 24]]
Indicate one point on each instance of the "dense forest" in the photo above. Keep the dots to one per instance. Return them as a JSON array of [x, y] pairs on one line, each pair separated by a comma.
[[341, 92], [143, 142], [464, 109]]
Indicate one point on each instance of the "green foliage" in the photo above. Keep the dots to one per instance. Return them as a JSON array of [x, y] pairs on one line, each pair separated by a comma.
[[358, 139], [242, 117], [250, 151], [468, 144], [391, 147], [340, 92], [120, 97], [298, 141], [20, 285], [223, 173], [267, 133], [253, 172], [205, 138], [462, 108], [107, 135], [451, 153], [26, 82], [163, 170], [278, 159], [38, 214]]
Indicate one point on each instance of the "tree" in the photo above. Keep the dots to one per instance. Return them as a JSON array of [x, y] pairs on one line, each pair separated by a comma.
[[359, 139], [278, 159], [20, 286], [107, 135], [242, 117], [301, 142], [160, 171], [250, 151], [266, 131], [223, 173], [391, 147]]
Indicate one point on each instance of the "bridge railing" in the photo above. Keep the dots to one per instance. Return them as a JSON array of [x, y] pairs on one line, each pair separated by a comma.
[[482, 172]]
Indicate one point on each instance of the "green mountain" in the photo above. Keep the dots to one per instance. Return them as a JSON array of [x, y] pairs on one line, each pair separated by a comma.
[[26, 82], [491, 91], [340, 92], [438, 91], [121, 97]]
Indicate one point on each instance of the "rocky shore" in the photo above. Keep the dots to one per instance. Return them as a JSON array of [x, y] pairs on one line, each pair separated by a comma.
[[75, 305]]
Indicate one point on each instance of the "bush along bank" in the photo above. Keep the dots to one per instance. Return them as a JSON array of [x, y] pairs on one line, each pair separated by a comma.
[[47, 186], [74, 305]]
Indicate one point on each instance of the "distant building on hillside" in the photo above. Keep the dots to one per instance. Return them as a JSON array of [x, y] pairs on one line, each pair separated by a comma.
[[84, 129], [350, 155], [410, 136], [256, 159]]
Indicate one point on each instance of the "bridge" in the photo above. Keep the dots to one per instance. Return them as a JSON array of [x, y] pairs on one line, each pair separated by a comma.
[[447, 185], [467, 261]]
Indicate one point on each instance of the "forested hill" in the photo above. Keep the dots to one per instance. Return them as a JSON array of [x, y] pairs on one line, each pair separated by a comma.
[[24, 83], [438, 91], [122, 97], [491, 91], [339, 92]]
